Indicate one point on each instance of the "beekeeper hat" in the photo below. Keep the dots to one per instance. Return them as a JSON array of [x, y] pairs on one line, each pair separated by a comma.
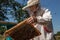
[[30, 3]]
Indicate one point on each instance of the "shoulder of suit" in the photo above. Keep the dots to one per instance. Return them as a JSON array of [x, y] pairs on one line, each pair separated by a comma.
[[46, 11]]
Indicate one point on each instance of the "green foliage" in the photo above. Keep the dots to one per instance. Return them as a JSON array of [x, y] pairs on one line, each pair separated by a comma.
[[21, 15], [14, 8], [2, 16], [58, 33], [2, 29]]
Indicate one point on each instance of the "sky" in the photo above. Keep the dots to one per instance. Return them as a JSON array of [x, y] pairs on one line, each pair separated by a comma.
[[54, 7]]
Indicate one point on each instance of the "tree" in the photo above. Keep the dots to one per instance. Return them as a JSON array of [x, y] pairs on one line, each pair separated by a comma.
[[58, 33], [2, 29], [12, 7], [2, 16]]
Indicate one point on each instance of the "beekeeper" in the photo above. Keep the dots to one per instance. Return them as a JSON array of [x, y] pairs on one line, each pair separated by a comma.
[[41, 19]]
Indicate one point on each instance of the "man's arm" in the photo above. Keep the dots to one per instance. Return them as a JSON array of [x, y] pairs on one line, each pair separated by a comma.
[[45, 18]]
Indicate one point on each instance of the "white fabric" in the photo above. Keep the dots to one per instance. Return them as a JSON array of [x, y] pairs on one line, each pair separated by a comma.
[[46, 16], [44, 35], [49, 36], [31, 3]]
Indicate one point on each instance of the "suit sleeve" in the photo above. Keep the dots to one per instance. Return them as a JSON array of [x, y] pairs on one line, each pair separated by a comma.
[[46, 16]]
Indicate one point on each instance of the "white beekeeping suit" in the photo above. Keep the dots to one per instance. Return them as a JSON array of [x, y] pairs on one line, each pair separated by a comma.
[[46, 34], [45, 29]]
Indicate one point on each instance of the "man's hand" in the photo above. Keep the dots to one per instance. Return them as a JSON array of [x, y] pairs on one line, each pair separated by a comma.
[[30, 20]]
